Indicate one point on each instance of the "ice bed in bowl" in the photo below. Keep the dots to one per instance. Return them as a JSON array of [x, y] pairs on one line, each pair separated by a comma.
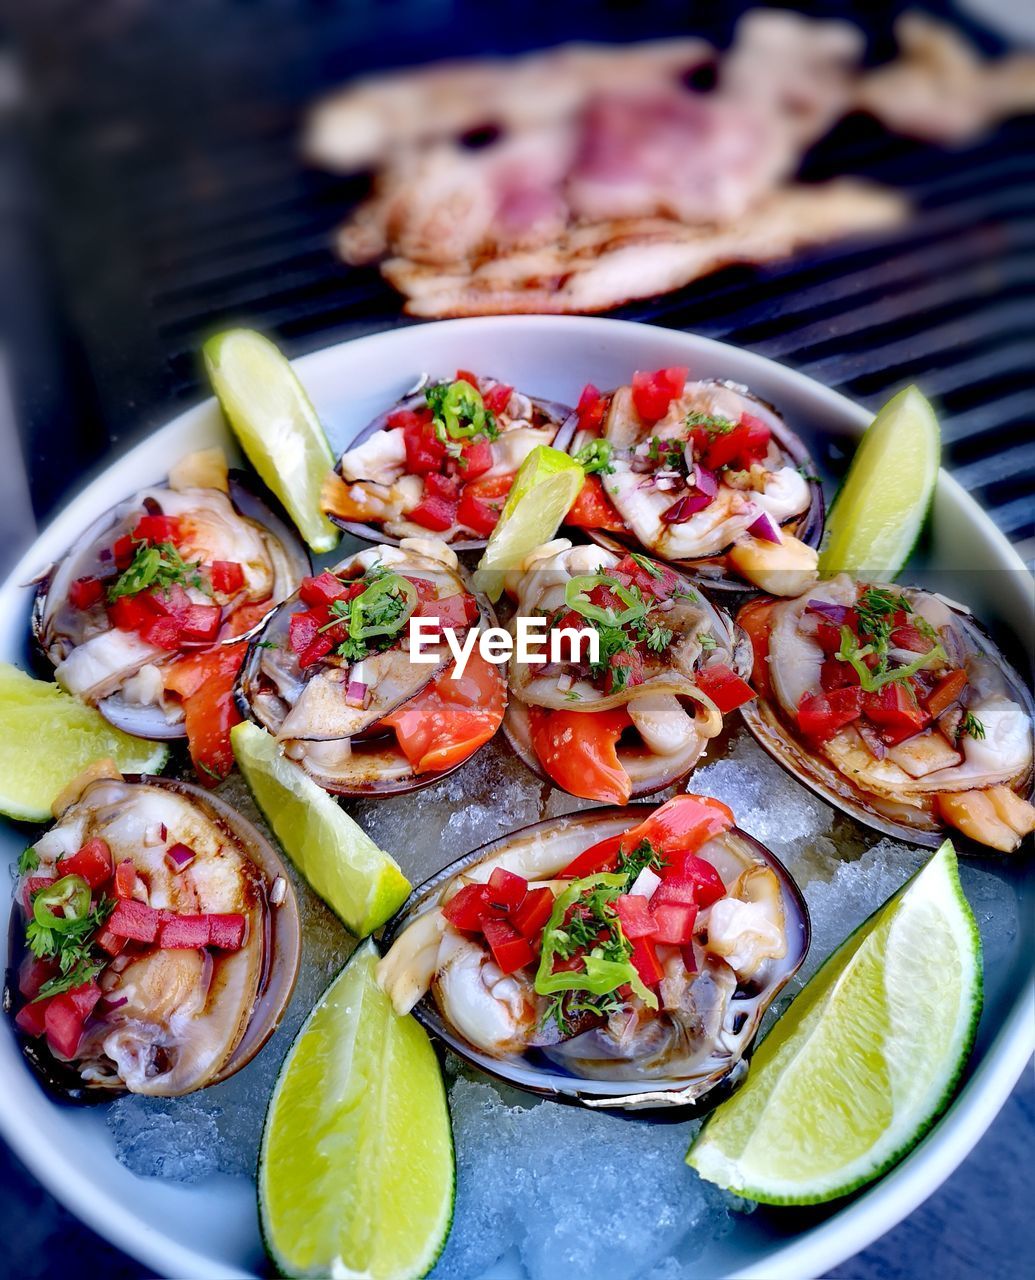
[[92, 1157]]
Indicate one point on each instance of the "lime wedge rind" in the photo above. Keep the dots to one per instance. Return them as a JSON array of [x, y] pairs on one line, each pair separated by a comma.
[[361, 883], [278, 427], [938, 886], [882, 505], [402, 1038]]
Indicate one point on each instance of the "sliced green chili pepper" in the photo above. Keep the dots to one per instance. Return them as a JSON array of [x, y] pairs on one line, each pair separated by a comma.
[[601, 976], [71, 894], [459, 412], [576, 596], [371, 614]]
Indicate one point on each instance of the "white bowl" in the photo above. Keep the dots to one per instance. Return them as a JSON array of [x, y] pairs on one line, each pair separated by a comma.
[[210, 1229]]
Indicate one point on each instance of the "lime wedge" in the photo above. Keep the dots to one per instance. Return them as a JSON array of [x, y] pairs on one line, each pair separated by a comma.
[[278, 428], [359, 882], [47, 738], [546, 485], [881, 507], [865, 1059], [356, 1172]]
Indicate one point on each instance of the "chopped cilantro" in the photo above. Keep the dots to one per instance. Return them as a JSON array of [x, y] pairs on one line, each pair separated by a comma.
[[972, 727], [159, 566], [28, 860]]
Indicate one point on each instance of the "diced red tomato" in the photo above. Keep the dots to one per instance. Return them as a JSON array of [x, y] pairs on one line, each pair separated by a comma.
[[125, 879], [635, 917], [591, 409], [31, 887], [133, 920], [912, 638], [129, 613], [92, 862], [660, 584], [163, 633], [630, 661], [652, 393], [506, 891], [64, 1025], [157, 529], [725, 688], [123, 552], [947, 691], [894, 706], [467, 908], [84, 593], [747, 443], [308, 642], [837, 675], [497, 398], [411, 418], [437, 507], [200, 623], [227, 576], [453, 612], [226, 930], [450, 719], [579, 751], [33, 973], [84, 997], [593, 509], [821, 715], [425, 452], [707, 883], [179, 933], [510, 949], [531, 917], [31, 1019], [679, 826], [464, 375], [479, 516], [109, 942], [645, 961], [324, 589], [674, 922], [475, 459], [168, 602]]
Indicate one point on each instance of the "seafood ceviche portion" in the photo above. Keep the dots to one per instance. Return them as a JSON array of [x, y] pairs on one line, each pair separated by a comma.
[[605, 950], [895, 703], [635, 713], [138, 617], [332, 675], [150, 952], [701, 474], [442, 461]]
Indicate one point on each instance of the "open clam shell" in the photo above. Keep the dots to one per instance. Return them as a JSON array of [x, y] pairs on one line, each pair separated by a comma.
[[731, 1012], [56, 626], [546, 413], [991, 675], [169, 1040], [714, 571], [347, 751], [648, 771]]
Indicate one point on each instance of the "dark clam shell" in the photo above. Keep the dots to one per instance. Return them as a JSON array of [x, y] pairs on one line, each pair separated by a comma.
[[771, 729], [685, 1095], [559, 414], [381, 768], [712, 571], [149, 722], [281, 954]]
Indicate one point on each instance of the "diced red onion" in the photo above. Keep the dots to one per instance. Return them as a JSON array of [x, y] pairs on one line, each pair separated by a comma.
[[835, 613], [356, 694], [873, 741], [705, 481], [179, 856], [683, 508], [765, 527], [564, 682], [111, 1003]]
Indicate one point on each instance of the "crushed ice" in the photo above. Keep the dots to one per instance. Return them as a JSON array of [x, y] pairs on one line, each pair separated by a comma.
[[532, 1175]]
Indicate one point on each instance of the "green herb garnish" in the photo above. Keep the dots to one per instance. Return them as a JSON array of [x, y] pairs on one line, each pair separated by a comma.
[[159, 566], [713, 423], [972, 727], [28, 860]]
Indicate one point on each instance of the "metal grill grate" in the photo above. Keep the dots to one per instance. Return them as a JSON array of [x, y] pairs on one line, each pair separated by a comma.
[[188, 223]]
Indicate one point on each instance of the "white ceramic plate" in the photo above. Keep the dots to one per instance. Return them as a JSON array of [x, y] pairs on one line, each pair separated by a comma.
[[210, 1230]]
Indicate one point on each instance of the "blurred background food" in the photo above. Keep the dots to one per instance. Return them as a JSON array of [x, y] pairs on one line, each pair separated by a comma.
[[847, 189]]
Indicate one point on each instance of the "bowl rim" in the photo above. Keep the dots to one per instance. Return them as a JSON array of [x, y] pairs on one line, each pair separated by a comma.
[[814, 1250]]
